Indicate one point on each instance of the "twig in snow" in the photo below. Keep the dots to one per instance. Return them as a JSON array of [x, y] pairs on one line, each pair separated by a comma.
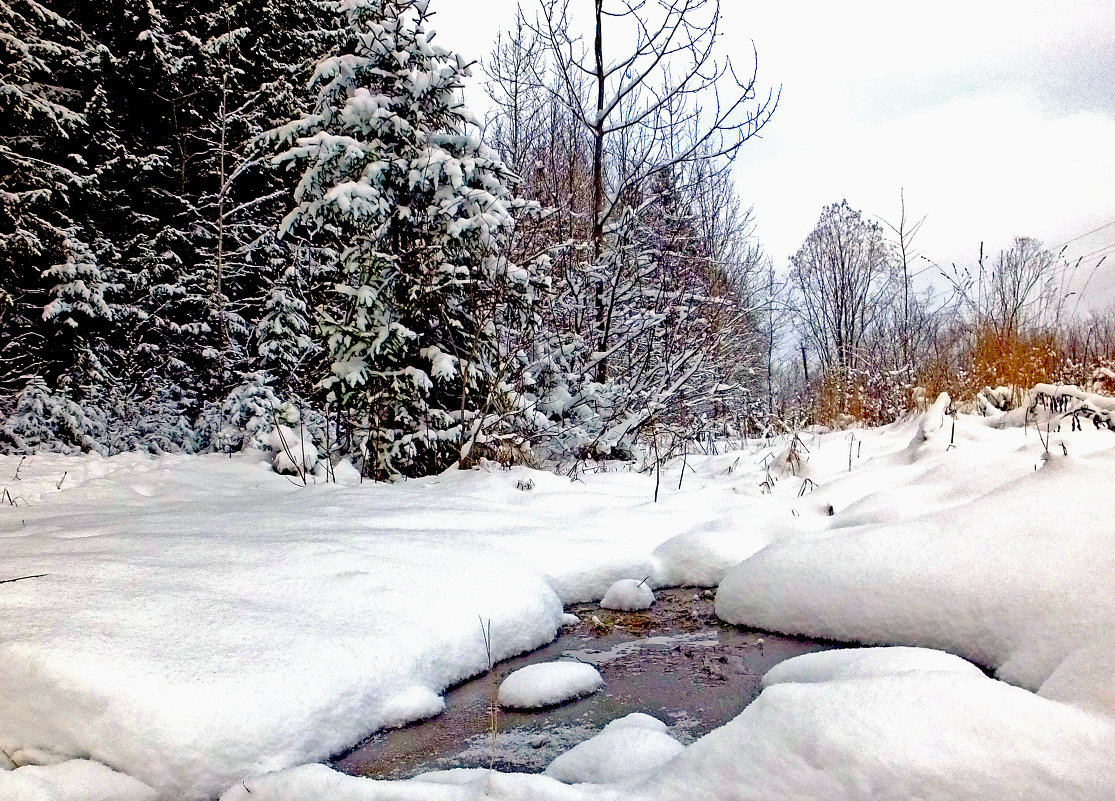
[[23, 578], [62, 479], [493, 701], [18, 468]]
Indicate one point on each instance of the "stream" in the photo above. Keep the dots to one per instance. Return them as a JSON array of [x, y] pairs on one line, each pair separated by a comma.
[[677, 661]]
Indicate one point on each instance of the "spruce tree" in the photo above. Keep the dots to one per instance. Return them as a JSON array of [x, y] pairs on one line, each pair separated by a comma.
[[393, 162], [49, 250]]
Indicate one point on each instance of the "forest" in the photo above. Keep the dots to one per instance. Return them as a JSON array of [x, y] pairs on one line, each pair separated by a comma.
[[224, 220]]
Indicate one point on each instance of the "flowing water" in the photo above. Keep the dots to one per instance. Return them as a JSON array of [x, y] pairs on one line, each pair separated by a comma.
[[676, 661]]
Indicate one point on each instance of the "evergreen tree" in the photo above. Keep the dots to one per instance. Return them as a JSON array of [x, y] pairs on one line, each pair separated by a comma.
[[49, 252], [392, 160]]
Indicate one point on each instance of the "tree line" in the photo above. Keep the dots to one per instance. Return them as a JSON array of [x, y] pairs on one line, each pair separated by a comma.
[[222, 216], [882, 328]]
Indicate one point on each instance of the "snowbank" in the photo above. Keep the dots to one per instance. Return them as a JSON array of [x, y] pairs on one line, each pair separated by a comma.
[[1017, 580], [866, 663], [72, 780], [204, 624], [882, 725], [933, 735], [203, 620]]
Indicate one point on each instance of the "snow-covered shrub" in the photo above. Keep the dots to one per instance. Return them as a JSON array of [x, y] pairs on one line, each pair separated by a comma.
[[1074, 403], [295, 452], [44, 420], [247, 416]]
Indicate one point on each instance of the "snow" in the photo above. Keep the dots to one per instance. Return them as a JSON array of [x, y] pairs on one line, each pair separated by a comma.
[[72, 780], [1016, 579], [629, 746], [866, 663], [294, 454], [628, 595], [548, 683], [204, 620], [206, 626], [932, 735]]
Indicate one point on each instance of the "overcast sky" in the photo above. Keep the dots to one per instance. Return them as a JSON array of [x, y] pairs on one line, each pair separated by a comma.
[[996, 118]]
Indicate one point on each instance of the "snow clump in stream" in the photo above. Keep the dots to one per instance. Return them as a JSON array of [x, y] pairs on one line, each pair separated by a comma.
[[628, 595], [548, 683]]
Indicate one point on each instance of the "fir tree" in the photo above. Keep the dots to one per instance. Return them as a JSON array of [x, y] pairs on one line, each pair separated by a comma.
[[48, 250], [392, 160]]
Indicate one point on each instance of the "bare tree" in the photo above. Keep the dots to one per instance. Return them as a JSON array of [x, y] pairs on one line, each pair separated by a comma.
[[660, 99], [1021, 289], [905, 232], [841, 277]]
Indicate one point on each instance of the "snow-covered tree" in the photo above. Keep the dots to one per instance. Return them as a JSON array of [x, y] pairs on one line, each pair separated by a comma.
[[48, 252], [392, 159], [284, 332], [48, 421]]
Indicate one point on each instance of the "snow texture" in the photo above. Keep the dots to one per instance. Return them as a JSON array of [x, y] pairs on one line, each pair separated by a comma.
[[628, 595], [548, 683], [867, 663], [72, 780], [205, 625], [1017, 579], [203, 620]]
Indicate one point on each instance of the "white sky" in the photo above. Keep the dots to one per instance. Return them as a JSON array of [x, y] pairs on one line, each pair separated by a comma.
[[996, 118]]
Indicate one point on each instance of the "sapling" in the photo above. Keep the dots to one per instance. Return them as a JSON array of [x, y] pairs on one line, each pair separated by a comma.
[[657, 468], [684, 464]]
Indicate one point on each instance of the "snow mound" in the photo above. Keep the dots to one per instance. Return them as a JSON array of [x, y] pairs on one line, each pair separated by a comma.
[[929, 736], [320, 783], [702, 558], [547, 684], [295, 454], [626, 747], [73, 780], [1017, 579], [866, 663], [628, 595], [637, 720], [415, 703]]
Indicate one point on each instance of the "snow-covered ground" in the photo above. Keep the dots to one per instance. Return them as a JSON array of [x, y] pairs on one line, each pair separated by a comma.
[[203, 621]]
